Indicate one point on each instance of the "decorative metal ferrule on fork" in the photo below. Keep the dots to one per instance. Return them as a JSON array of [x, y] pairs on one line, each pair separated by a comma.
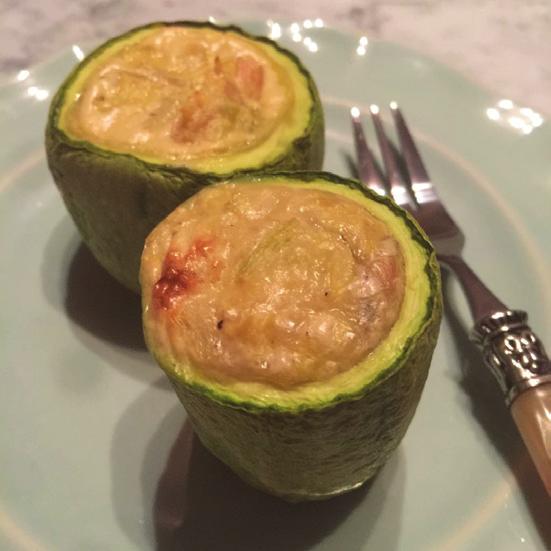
[[512, 351]]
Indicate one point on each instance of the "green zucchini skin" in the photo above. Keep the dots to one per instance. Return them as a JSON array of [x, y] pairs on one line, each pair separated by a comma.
[[116, 199], [313, 452]]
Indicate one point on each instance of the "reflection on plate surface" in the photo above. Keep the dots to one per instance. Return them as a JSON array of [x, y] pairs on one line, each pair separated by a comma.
[[91, 430]]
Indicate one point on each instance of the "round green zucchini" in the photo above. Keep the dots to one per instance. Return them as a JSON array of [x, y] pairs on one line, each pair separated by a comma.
[[321, 438], [116, 197]]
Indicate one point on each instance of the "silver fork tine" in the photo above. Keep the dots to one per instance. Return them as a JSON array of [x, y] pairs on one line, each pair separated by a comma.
[[416, 169], [420, 182], [368, 171], [400, 190], [422, 188]]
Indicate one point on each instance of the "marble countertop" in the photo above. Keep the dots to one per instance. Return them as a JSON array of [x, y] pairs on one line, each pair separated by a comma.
[[504, 46]]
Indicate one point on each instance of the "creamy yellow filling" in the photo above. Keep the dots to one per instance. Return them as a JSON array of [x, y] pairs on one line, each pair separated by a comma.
[[271, 284], [182, 95]]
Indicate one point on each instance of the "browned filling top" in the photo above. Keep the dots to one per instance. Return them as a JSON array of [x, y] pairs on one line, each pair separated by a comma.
[[271, 283]]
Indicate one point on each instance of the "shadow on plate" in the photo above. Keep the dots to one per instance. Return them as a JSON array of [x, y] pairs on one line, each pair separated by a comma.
[[170, 493], [73, 281], [104, 317], [140, 442], [100, 304], [201, 504], [490, 411]]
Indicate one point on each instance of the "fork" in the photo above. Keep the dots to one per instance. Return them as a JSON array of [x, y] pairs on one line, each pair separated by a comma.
[[509, 347]]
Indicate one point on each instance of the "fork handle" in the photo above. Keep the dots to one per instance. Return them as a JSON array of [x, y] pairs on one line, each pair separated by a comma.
[[510, 348], [481, 300], [517, 359]]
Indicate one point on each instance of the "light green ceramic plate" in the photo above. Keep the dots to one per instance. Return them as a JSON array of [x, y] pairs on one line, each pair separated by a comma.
[[95, 450]]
